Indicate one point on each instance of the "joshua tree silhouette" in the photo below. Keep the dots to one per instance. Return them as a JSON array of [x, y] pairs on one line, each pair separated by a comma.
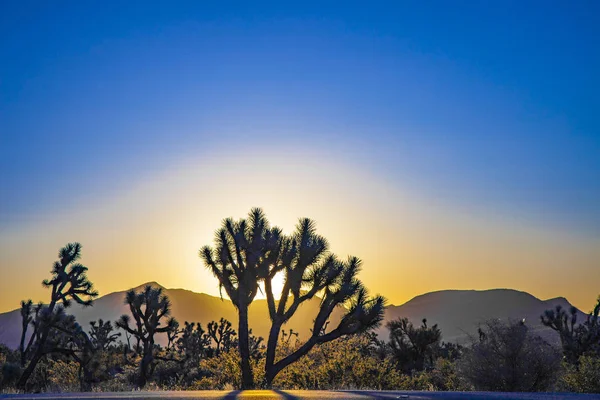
[[222, 334], [148, 308], [413, 348], [243, 250], [101, 334], [310, 270], [26, 319], [192, 345], [69, 283], [576, 339], [248, 252]]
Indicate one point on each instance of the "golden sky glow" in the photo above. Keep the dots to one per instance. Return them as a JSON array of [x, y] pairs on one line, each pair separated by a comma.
[[409, 245]]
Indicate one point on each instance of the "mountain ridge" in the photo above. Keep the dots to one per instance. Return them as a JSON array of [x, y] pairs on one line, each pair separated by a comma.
[[458, 312]]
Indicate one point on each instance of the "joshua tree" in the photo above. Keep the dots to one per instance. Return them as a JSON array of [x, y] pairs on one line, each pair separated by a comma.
[[72, 341], [26, 319], [222, 334], [65, 338], [413, 348], [101, 334], [69, 283], [192, 344], [310, 270], [172, 335], [256, 345], [576, 339], [243, 250], [148, 308], [286, 337]]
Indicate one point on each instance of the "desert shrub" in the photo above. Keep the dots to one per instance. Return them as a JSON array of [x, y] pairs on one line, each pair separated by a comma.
[[119, 382], [10, 371], [167, 375], [444, 376], [348, 363], [585, 378], [63, 376], [9, 374], [507, 357], [224, 372]]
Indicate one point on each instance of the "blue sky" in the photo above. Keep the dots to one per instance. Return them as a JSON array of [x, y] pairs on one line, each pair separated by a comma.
[[479, 106]]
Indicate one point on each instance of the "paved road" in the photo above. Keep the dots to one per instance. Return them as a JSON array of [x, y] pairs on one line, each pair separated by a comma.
[[301, 395]]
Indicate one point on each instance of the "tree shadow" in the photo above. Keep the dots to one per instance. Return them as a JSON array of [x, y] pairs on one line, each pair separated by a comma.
[[370, 394], [285, 395], [231, 395]]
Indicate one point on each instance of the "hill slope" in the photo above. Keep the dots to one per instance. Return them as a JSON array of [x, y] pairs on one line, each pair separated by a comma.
[[457, 312], [186, 306]]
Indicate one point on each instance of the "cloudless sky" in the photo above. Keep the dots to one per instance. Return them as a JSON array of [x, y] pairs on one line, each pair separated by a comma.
[[483, 111]]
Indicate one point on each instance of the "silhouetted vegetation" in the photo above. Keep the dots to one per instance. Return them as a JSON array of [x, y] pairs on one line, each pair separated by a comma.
[[580, 345], [147, 308], [508, 357], [413, 348], [243, 251], [584, 377], [50, 324], [576, 339], [222, 334], [55, 353], [249, 252], [309, 269]]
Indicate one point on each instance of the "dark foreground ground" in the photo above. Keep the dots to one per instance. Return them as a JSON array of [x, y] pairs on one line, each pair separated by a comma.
[[302, 395]]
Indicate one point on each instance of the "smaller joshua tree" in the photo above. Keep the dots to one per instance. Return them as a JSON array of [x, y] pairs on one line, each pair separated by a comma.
[[413, 348], [576, 339], [102, 334], [222, 334], [69, 283], [172, 335], [192, 344], [149, 309]]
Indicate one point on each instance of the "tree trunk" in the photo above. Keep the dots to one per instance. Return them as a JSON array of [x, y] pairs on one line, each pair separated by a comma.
[[85, 378], [22, 345], [145, 363], [244, 347], [29, 370], [271, 350], [301, 351]]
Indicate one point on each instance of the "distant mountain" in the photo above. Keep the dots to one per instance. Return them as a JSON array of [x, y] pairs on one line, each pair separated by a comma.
[[186, 306], [457, 312]]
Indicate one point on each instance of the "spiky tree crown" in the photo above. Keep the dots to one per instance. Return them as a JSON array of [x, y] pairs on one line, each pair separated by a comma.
[[69, 278], [148, 308], [243, 252], [310, 269], [102, 334]]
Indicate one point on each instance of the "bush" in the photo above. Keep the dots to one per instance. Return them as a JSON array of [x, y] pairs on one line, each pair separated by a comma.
[[63, 376], [9, 375], [508, 358], [347, 363], [223, 371], [586, 378]]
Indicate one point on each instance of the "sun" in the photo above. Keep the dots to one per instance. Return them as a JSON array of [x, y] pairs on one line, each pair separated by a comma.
[[276, 285]]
